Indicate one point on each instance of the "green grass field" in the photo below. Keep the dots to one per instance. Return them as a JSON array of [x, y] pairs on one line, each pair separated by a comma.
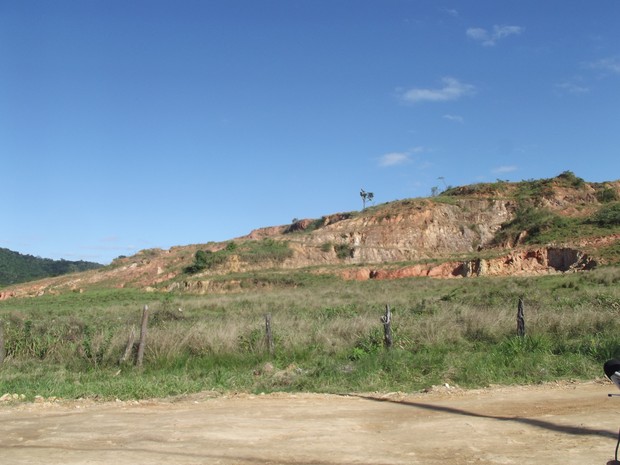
[[327, 332]]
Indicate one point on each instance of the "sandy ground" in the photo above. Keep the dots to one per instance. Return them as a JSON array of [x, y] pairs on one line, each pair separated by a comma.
[[551, 424]]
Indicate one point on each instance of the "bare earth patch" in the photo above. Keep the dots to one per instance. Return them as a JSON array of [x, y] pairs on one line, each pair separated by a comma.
[[551, 424]]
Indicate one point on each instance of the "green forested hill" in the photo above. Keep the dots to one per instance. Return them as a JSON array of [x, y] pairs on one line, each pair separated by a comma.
[[18, 268]]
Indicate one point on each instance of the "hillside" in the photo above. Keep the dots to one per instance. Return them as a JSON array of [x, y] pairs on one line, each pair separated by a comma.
[[531, 227], [18, 268]]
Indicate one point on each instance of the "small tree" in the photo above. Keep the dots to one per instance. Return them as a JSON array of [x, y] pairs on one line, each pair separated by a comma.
[[366, 196]]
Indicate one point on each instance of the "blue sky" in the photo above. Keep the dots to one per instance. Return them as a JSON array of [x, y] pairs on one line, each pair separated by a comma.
[[127, 125]]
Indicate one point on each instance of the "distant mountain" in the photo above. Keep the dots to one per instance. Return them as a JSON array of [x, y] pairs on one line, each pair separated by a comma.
[[18, 268]]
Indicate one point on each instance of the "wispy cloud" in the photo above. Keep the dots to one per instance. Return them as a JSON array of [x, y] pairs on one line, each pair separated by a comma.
[[394, 159], [400, 158], [490, 38], [477, 33], [610, 64], [504, 169], [455, 118], [452, 12], [452, 89], [573, 86]]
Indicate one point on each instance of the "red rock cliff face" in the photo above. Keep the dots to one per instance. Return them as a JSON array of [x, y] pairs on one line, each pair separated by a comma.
[[543, 260]]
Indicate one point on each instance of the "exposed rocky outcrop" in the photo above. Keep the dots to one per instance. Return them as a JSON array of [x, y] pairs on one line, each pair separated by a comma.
[[269, 231], [406, 231], [525, 262]]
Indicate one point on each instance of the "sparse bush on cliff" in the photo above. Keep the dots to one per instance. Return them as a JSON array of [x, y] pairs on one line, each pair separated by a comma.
[[267, 250], [535, 221], [568, 178], [327, 247], [343, 251], [205, 260], [608, 215], [480, 189], [534, 189], [606, 194]]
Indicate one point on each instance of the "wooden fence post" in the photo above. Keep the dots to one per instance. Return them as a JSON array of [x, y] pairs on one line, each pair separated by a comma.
[[268, 334], [129, 347], [141, 346], [2, 346], [520, 319], [387, 327]]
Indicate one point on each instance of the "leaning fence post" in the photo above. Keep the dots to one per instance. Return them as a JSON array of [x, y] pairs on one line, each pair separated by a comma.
[[268, 334], [145, 317], [387, 327], [2, 347], [129, 347], [520, 319]]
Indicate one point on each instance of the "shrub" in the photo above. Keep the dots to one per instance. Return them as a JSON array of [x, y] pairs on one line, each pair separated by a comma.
[[327, 247], [265, 250], [205, 259], [343, 251], [535, 221], [568, 178], [534, 189], [606, 194], [608, 215]]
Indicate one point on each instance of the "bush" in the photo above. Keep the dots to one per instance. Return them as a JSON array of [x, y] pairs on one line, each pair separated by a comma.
[[535, 221], [327, 247], [206, 259], [343, 251], [608, 216], [533, 189], [606, 194], [568, 178]]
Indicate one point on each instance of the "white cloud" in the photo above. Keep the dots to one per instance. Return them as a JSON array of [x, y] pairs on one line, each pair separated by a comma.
[[452, 12], [394, 159], [505, 169], [452, 90], [611, 64], [500, 32], [477, 33], [455, 118], [490, 38], [572, 87]]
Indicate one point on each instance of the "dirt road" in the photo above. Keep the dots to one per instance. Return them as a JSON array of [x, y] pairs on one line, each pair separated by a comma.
[[551, 425]]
